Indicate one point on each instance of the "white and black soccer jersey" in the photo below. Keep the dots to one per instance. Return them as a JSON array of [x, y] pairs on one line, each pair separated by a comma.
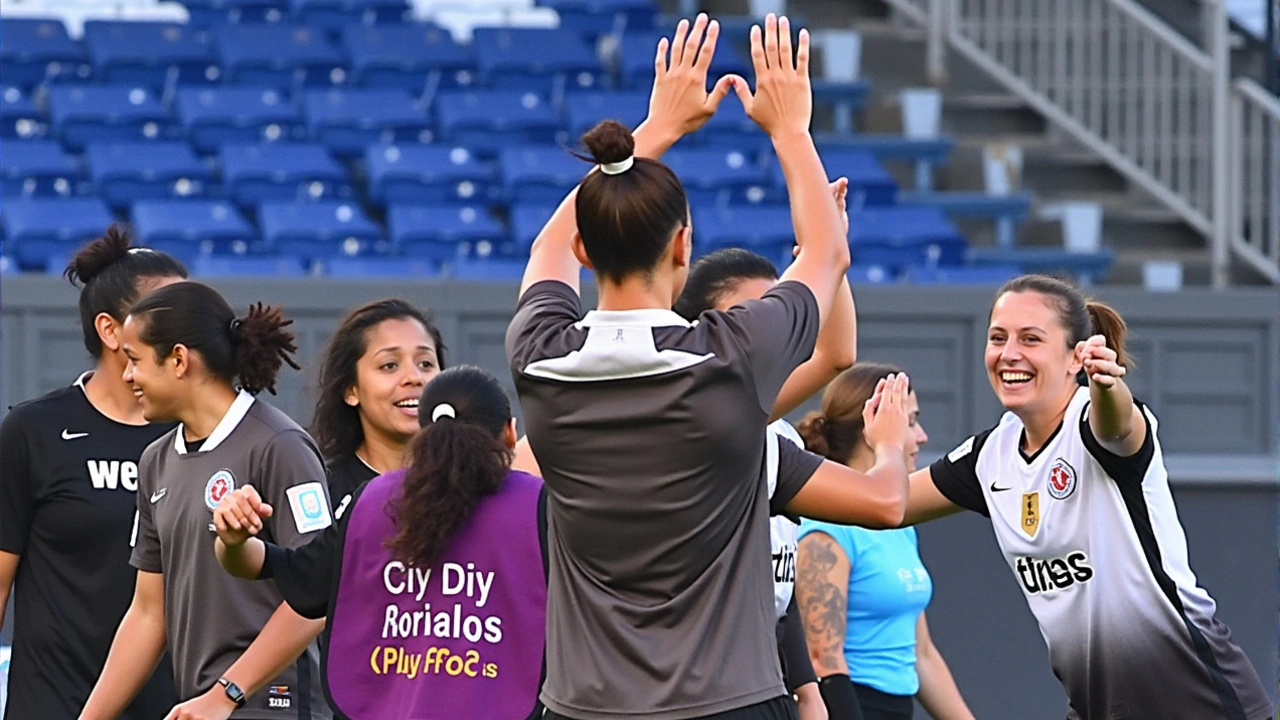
[[1093, 540], [650, 432], [68, 486], [784, 534], [212, 617]]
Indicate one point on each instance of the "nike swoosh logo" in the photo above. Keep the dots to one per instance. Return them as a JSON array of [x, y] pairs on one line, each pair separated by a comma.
[[999, 489], [155, 496], [68, 435]]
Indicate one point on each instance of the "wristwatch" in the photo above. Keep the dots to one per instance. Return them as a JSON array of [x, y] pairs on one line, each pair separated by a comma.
[[234, 693]]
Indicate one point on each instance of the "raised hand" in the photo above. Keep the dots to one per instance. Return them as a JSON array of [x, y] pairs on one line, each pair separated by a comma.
[[239, 516], [680, 101], [885, 416], [839, 191], [783, 100], [1101, 363]]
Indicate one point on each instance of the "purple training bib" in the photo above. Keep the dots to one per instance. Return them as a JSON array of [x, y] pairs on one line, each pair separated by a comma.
[[461, 639]]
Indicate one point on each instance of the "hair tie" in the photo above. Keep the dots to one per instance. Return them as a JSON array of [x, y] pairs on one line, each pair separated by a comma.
[[619, 167], [443, 410], [234, 328]]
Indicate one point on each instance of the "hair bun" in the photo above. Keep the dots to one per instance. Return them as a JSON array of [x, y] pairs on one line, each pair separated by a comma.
[[609, 142], [98, 255]]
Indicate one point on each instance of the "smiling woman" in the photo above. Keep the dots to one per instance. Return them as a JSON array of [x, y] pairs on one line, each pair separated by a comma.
[[374, 368]]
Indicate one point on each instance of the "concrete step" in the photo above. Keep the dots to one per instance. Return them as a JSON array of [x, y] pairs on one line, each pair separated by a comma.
[[1197, 267]]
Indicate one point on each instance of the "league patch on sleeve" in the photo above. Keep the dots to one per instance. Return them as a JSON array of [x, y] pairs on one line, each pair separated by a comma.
[[310, 510], [965, 448]]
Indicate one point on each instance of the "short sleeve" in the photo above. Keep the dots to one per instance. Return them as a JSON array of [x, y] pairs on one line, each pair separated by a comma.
[[1123, 470], [146, 541], [291, 476], [777, 334], [17, 486], [795, 466], [956, 475], [545, 308]]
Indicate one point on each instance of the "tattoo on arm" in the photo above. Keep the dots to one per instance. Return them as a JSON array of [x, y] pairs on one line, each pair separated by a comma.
[[823, 596]]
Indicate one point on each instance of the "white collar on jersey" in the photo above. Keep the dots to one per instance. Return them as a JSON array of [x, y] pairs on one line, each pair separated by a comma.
[[239, 408], [80, 381], [645, 317]]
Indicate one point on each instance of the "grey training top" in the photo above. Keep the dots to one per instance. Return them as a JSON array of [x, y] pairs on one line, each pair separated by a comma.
[[650, 432], [211, 617]]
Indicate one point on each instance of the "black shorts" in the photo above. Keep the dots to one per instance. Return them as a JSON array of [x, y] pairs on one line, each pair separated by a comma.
[[883, 706], [779, 708]]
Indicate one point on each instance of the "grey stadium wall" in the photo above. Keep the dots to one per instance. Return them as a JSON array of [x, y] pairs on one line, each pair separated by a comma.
[[1206, 363]]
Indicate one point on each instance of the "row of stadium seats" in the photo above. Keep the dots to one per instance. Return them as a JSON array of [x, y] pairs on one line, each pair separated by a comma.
[[282, 55], [345, 120], [124, 172]]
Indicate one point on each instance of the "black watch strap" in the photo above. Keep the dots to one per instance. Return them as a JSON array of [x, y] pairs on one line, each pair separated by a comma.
[[234, 693]]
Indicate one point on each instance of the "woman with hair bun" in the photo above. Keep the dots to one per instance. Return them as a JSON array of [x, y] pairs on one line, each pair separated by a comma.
[[194, 361], [862, 593], [1073, 479], [440, 560], [68, 485]]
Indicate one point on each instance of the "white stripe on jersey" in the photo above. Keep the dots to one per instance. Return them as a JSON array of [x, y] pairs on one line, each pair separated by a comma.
[[783, 534]]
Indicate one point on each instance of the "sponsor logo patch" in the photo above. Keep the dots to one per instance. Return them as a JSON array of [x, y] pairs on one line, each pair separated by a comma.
[[1030, 513], [1046, 575], [964, 449], [309, 506], [278, 697], [220, 484]]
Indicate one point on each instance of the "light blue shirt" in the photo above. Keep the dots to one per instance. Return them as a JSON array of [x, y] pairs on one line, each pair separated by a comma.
[[888, 589]]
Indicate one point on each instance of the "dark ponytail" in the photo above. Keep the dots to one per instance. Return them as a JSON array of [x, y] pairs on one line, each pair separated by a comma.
[[112, 274], [835, 431], [627, 219], [458, 459], [251, 349], [1080, 317]]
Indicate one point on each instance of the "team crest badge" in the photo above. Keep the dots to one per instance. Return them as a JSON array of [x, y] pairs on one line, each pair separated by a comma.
[[219, 485], [1030, 513], [1062, 480]]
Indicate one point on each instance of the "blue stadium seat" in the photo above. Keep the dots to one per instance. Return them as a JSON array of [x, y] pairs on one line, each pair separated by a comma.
[[214, 117], [212, 13], [36, 228], [347, 120], [248, 266], [279, 55], [713, 175], [767, 230], [870, 275], [900, 237], [8, 266], [539, 174], [281, 172], [637, 49], [1088, 267], [318, 230], [434, 174], [488, 121], [598, 17], [19, 116], [584, 111], [380, 267], [36, 168], [443, 233], [206, 226], [869, 182], [731, 128], [408, 56], [33, 50], [527, 221], [83, 114], [925, 153], [1006, 210], [489, 269], [336, 14], [536, 59], [146, 53], [123, 173], [963, 275]]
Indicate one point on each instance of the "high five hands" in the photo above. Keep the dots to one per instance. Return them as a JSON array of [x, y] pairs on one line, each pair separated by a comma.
[[782, 103]]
